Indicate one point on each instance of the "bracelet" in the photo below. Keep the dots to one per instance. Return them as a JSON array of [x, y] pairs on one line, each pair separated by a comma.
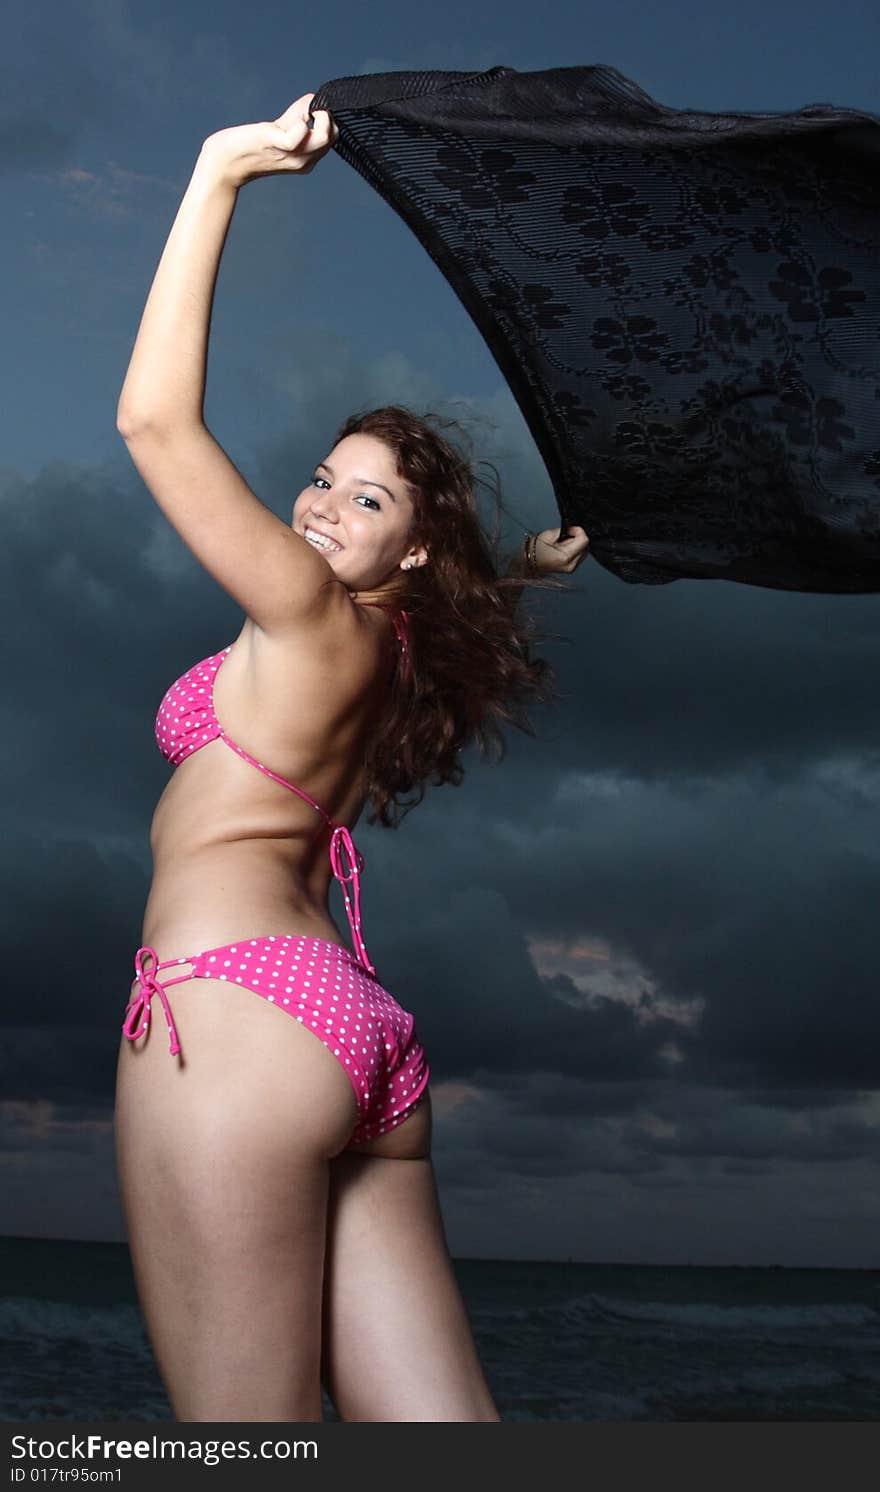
[[530, 546]]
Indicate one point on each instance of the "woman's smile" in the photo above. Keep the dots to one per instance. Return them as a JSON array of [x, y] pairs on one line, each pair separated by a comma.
[[321, 541]]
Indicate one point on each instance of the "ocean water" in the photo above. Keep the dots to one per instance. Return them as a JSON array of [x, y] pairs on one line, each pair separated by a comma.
[[558, 1341]]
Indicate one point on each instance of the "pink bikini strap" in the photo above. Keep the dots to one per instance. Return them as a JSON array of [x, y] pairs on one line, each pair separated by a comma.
[[137, 1011], [341, 836], [340, 841], [267, 771], [403, 627]]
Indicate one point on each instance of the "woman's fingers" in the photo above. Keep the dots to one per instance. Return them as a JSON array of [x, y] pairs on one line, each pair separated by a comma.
[[319, 140], [300, 112], [574, 540], [557, 553], [576, 546], [296, 113], [295, 124]]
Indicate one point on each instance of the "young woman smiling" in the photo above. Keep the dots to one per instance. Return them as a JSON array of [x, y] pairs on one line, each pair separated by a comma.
[[275, 1169]]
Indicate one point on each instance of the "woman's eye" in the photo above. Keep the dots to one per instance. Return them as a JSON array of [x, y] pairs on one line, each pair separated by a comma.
[[362, 496]]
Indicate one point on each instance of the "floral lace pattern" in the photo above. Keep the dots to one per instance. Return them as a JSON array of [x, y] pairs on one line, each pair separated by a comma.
[[685, 305]]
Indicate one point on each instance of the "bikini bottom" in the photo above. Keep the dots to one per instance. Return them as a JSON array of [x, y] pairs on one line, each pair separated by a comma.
[[325, 988]]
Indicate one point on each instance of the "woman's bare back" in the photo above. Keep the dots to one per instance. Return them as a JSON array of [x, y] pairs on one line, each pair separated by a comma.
[[235, 852]]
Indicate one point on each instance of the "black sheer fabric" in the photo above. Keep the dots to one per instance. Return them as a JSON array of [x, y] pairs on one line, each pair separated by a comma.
[[685, 305]]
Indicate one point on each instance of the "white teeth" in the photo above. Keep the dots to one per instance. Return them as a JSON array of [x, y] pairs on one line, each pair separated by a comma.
[[320, 542]]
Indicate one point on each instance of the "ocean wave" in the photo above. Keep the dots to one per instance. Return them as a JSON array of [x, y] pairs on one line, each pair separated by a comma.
[[24, 1319], [705, 1316], [65, 1361], [697, 1316], [783, 1378]]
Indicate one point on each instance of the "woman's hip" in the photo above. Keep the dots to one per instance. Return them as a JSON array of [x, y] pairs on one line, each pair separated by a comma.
[[341, 1023]]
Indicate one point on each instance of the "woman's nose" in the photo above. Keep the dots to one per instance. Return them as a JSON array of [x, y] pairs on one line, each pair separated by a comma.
[[325, 506]]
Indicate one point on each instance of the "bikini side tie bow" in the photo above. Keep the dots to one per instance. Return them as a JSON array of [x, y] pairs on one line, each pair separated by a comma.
[[340, 841], [137, 1011]]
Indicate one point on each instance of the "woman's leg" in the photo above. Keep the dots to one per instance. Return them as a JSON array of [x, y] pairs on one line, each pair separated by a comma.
[[223, 1169], [397, 1340]]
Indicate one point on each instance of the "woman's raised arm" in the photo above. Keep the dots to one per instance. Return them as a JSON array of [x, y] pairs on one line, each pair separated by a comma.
[[277, 578], [165, 383]]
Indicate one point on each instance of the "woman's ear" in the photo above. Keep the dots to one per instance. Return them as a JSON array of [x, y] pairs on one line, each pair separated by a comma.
[[417, 557]]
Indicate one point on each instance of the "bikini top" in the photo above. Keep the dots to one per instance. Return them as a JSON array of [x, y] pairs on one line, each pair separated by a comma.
[[186, 721]]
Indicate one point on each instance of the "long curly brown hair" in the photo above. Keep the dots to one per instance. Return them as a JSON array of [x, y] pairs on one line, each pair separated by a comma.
[[470, 669]]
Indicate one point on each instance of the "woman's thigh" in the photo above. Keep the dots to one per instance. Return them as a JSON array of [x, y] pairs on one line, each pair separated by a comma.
[[223, 1170], [397, 1340]]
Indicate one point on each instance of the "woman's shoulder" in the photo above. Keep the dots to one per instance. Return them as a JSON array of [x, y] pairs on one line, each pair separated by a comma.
[[342, 653]]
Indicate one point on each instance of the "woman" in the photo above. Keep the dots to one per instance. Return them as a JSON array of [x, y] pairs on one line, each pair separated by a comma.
[[278, 1190]]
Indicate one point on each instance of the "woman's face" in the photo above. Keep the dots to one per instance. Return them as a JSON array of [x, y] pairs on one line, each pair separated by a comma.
[[357, 501]]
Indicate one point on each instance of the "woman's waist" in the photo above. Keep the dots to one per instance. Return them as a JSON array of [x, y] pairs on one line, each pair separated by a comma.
[[222, 892]]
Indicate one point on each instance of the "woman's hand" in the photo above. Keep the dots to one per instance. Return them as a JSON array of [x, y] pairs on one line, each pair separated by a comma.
[[553, 554], [273, 148]]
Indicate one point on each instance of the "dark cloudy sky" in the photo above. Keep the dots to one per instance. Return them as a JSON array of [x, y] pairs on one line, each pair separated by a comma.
[[642, 951]]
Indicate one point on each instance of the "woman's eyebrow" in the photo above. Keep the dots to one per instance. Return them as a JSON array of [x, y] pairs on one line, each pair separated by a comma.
[[365, 481]]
